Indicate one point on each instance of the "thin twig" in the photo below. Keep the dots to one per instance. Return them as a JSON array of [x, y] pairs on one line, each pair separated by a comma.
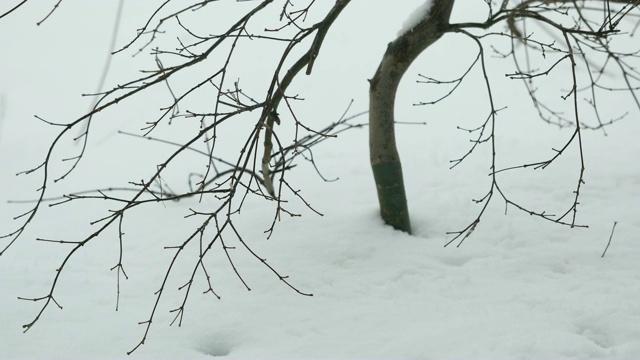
[[610, 237]]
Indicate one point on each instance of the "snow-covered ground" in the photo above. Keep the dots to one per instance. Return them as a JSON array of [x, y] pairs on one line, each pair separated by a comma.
[[519, 287]]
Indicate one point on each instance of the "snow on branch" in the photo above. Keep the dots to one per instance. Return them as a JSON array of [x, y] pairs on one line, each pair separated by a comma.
[[416, 16]]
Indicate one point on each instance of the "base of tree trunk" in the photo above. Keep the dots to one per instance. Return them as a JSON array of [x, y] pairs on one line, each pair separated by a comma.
[[391, 194]]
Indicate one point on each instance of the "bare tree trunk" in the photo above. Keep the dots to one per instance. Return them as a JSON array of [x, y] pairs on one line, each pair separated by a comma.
[[385, 160]]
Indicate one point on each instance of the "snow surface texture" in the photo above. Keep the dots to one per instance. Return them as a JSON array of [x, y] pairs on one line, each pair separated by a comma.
[[518, 288], [416, 16]]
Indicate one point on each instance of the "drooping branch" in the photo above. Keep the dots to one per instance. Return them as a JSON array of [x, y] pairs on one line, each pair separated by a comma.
[[308, 59], [227, 187]]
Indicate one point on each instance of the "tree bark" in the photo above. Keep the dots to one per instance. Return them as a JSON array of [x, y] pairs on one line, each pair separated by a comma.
[[385, 161]]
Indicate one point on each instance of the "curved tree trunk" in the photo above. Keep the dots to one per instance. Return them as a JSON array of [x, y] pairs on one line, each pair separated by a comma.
[[385, 161]]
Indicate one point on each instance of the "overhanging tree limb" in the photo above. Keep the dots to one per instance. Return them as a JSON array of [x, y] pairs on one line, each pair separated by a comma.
[[307, 60]]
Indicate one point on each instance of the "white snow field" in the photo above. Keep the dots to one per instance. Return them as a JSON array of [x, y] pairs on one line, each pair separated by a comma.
[[518, 288]]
